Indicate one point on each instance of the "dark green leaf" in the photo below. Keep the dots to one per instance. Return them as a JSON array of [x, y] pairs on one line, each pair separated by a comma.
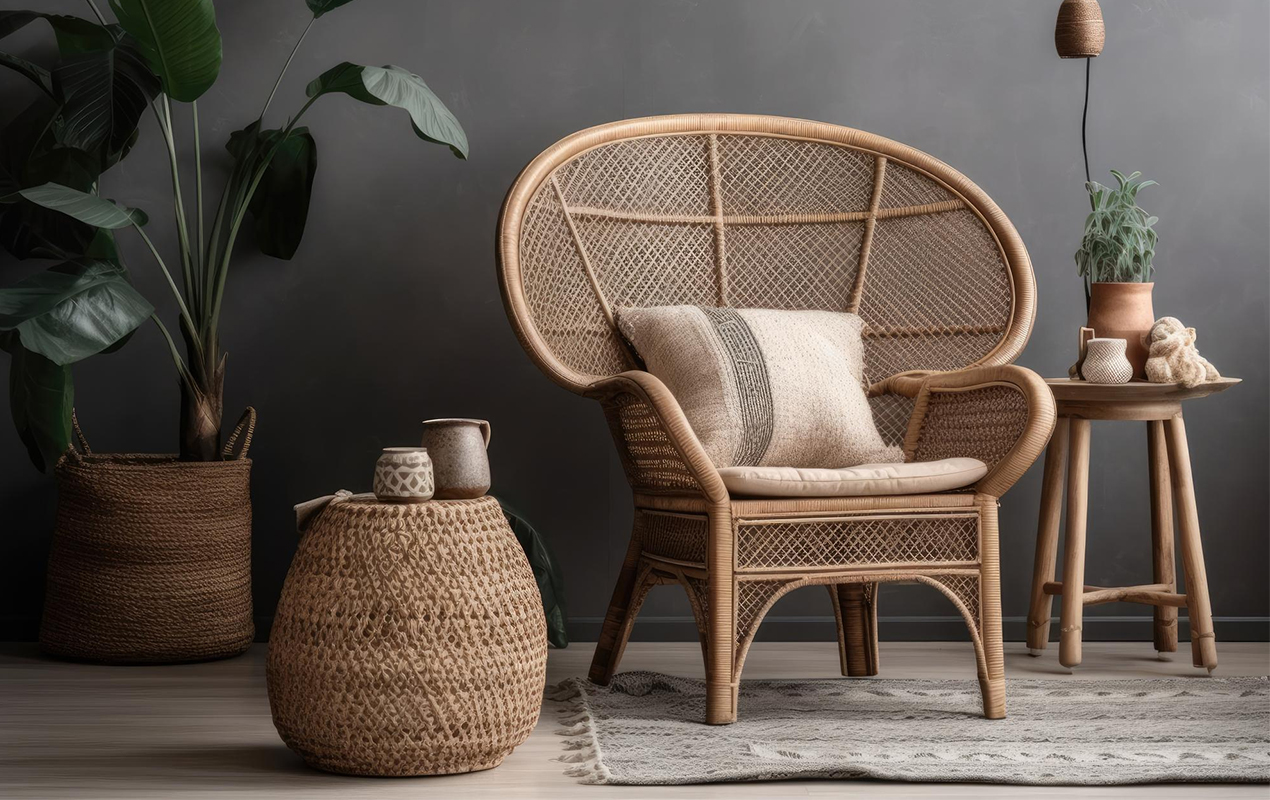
[[73, 311], [87, 208], [41, 396], [546, 573], [37, 74], [104, 93], [394, 86], [179, 40], [280, 204], [320, 7], [29, 230], [74, 35]]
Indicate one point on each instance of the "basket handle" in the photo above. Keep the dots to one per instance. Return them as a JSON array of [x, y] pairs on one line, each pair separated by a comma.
[[246, 427], [79, 435]]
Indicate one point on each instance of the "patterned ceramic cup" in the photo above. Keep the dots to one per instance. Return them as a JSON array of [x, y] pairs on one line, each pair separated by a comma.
[[1105, 361], [404, 475]]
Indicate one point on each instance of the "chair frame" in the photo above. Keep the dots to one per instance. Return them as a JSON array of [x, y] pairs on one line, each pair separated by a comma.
[[736, 556]]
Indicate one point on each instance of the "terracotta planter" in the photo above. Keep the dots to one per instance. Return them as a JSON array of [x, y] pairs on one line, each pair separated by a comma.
[[1123, 311]]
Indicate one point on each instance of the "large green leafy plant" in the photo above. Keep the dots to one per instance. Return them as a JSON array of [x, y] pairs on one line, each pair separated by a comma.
[[158, 53], [1119, 242]]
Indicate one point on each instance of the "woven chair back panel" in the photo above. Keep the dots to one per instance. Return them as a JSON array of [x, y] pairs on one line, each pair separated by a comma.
[[757, 221], [937, 293]]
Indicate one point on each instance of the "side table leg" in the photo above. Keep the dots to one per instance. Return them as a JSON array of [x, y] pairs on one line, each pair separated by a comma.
[[1199, 608], [1038, 615], [1162, 558], [1073, 608]]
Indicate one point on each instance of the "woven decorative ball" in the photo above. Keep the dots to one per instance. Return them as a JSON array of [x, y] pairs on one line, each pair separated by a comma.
[[409, 640]]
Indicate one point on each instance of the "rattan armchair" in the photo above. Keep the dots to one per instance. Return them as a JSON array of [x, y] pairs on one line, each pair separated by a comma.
[[768, 212]]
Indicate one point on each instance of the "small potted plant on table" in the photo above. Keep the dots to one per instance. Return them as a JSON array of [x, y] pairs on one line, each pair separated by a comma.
[[1114, 260]]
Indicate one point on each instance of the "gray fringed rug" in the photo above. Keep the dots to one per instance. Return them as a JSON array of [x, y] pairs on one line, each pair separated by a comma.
[[645, 728]]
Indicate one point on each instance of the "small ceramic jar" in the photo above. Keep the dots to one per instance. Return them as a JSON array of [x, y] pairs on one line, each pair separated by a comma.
[[404, 475], [1105, 361]]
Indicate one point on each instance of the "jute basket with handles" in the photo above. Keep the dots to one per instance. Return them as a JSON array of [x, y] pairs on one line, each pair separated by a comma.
[[151, 556]]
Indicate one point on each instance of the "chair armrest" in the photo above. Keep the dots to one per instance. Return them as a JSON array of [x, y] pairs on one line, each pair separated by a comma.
[[1001, 415], [658, 448]]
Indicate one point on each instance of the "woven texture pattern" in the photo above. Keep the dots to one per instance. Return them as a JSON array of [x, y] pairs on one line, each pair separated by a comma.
[[645, 729], [675, 536], [916, 540], [979, 423], [409, 640], [753, 221], [648, 457], [151, 560]]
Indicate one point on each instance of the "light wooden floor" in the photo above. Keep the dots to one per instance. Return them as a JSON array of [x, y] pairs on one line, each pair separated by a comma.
[[203, 730]]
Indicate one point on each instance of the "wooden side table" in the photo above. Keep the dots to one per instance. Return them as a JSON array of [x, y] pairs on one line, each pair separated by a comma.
[[1172, 488]]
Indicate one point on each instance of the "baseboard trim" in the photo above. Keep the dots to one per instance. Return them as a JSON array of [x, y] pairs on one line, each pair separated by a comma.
[[788, 628], [1103, 628]]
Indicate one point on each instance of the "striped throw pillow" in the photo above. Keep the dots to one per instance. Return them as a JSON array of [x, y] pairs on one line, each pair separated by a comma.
[[764, 387]]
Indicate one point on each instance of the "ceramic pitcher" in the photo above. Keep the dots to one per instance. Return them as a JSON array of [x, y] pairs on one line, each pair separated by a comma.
[[459, 462]]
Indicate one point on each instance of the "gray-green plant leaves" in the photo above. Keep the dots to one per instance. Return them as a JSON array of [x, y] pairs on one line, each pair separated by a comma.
[[179, 39], [394, 86], [1119, 243], [73, 311], [87, 208]]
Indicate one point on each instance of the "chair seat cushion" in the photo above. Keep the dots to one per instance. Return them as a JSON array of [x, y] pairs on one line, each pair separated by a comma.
[[866, 480]]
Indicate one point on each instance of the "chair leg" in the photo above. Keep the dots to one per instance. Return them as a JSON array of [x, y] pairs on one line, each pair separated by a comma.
[[856, 614], [721, 671], [1163, 563], [617, 622], [992, 677], [1042, 605], [1073, 608]]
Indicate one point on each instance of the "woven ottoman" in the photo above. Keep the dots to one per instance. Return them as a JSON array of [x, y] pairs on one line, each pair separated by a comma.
[[409, 640]]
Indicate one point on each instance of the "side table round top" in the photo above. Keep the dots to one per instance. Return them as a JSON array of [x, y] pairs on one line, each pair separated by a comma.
[[1138, 400]]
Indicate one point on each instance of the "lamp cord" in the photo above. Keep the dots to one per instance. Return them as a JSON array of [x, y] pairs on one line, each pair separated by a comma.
[[1084, 115], [1084, 149]]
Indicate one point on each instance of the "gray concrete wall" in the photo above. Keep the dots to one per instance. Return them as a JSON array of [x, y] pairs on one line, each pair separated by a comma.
[[390, 312]]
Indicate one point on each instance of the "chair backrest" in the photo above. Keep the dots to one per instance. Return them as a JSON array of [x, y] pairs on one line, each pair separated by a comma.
[[758, 212]]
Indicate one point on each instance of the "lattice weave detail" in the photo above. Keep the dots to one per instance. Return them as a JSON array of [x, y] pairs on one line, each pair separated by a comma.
[[901, 540], [760, 221]]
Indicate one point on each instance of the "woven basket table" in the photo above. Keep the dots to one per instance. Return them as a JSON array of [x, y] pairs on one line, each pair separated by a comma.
[[409, 640]]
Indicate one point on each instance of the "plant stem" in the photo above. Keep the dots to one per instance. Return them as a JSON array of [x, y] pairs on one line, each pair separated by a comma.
[[198, 189], [181, 368], [180, 301], [278, 82], [96, 12], [187, 270]]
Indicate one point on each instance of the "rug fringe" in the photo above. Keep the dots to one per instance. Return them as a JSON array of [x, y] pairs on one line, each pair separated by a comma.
[[582, 747]]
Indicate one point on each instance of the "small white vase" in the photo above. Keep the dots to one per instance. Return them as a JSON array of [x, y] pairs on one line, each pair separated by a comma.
[[1106, 362], [403, 475]]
